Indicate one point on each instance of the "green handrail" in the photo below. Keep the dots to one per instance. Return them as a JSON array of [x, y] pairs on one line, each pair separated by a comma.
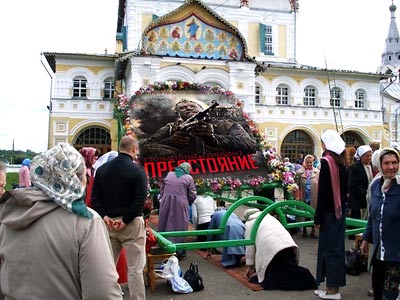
[[281, 209]]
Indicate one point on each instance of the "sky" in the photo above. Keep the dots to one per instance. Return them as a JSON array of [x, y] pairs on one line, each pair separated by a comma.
[[342, 34]]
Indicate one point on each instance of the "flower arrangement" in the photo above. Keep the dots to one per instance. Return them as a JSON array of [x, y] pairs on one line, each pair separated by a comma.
[[280, 171]]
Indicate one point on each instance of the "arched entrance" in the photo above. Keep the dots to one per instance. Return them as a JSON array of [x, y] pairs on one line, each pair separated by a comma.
[[352, 139], [96, 137], [295, 143]]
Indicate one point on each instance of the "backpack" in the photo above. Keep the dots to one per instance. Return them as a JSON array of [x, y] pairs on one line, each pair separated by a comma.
[[193, 277]]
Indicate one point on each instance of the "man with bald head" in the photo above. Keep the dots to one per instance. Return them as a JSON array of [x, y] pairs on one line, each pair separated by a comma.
[[118, 195]]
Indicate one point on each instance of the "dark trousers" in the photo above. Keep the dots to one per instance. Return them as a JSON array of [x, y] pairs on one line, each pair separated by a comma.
[[203, 226], [356, 213], [385, 279]]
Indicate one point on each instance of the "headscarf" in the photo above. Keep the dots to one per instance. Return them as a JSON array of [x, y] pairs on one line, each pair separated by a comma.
[[362, 150], [375, 160], [305, 166], [333, 142], [106, 157], [183, 168], [382, 152], [88, 154], [55, 172], [26, 162]]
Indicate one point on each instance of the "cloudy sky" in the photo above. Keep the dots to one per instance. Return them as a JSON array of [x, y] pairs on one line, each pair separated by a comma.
[[349, 35]]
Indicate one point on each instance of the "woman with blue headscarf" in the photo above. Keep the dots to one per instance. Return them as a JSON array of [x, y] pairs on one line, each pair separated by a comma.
[[176, 194], [24, 177]]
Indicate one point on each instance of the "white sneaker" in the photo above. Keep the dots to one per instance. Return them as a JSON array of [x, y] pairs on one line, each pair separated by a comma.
[[336, 296], [319, 292]]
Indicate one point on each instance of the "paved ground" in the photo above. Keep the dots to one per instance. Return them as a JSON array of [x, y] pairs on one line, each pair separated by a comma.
[[220, 285]]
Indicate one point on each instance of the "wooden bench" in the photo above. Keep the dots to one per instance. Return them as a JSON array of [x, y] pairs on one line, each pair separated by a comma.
[[151, 261]]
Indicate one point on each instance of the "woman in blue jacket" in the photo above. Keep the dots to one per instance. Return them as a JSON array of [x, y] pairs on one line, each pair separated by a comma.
[[383, 228]]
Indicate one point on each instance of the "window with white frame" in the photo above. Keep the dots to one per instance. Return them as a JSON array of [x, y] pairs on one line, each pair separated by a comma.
[[79, 87], [309, 96], [360, 99], [282, 95], [108, 88], [257, 97], [266, 39], [336, 97]]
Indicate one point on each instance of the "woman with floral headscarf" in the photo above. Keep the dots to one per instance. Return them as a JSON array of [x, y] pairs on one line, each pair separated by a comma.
[[51, 233], [176, 194]]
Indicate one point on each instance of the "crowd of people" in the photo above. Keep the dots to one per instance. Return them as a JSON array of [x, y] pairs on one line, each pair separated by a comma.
[[86, 213]]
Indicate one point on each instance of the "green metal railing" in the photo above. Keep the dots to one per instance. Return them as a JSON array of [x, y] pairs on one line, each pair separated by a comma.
[[281, 209]]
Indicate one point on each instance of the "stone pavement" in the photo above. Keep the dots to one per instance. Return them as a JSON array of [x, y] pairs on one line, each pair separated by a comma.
[[220, 285]]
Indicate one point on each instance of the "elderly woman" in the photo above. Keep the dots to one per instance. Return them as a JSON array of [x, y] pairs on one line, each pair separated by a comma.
[[177, 192], [307, 180], [383, 227], [53, 236]]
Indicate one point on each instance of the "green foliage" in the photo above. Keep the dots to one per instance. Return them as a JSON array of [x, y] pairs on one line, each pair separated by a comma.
[[11, 178], [16, 156]]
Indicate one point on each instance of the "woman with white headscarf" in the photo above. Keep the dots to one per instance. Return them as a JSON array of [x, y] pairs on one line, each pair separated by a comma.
[[330, 216], [383, 227], [360, 176], [52, 235], [177, 192]]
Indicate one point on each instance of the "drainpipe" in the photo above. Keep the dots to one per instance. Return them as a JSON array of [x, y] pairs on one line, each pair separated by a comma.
[[49, 107]]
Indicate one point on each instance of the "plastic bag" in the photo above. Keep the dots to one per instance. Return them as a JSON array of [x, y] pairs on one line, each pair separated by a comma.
[[165, 270], [178, 284], [193, 277]]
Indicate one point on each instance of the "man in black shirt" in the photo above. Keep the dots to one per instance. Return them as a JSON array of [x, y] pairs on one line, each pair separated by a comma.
[[118, 195]]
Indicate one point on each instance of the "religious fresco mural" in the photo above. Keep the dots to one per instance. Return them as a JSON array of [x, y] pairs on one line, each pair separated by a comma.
[[192, 37]]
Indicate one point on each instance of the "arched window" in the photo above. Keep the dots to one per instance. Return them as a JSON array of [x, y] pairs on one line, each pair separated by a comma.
[[360, 99], [352, 139], [295, 143], [79, 87], [282, 95], [257, 97], [108, 88], [336, 97], [309, 98], [96, 137]]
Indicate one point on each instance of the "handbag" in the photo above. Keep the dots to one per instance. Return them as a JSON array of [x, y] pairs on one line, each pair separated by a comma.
[[353, 262], [193, 277]]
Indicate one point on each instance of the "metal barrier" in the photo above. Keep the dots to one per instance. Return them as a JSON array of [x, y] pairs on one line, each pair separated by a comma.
[[280, 209]]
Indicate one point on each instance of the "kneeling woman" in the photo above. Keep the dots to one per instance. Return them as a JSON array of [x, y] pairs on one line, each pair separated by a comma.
[[273, 260]]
